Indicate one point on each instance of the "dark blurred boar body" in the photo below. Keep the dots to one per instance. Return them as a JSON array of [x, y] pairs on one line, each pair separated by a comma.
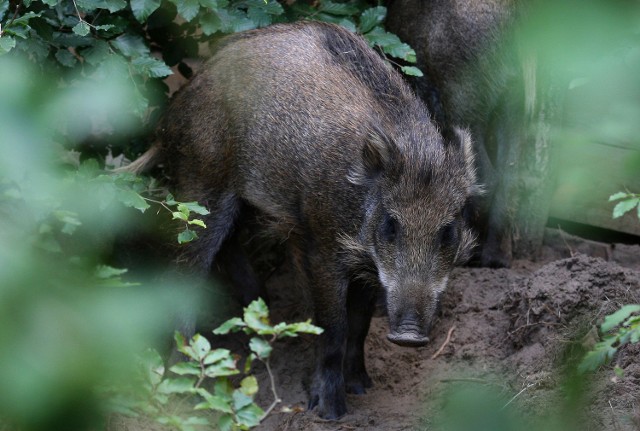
[[478, 76], [307, 125]]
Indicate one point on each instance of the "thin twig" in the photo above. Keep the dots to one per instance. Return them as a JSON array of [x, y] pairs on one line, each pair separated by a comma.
[[15, 15], [613, 415], [467, 379], [276, 398], [517, 395], [571, 253], [446, 341], [532, 324]]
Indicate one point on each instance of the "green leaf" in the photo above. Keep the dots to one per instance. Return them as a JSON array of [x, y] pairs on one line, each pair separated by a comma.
[[153, 366], [179, 216], [231, 325], [617, 196], [411, 71], [613, 320], [293, 329], [224, 367], [197, 222], [262, 12], [214, 402], [271, 7], [104, 27], [249, 416], [380, 37], [249, 385], [256, 316], [194, 207], [132, 199], [131, 45], [348, 24], [225, 423], [169, 200], [70, 220], [248, 362], [260, 347], [181, 385], [106, 271], [66, 58], [235, 21], [201, 346], [143, 8], [401, 50], [223, 387], [179, 339], [186, 235], [596, 358], [112, 5], [216, 355], [622, 207], [197, 420], [96, 53], [186, 368], [81, 28], [337, 8], [371, 18], [35, 47], [211, 4], [188, 9], [241, 400], [7, 43], [210, 23], [23, 20], [259, 17], [151, 67], [619, 372]]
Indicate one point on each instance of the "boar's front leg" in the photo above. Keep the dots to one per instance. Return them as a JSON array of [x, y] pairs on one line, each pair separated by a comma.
[[329, 289], [360, 306]]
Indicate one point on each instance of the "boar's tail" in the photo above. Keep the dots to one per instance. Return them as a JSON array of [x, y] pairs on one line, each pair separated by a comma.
[[143, 163]]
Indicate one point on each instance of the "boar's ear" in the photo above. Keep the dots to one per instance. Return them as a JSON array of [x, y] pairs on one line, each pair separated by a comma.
[[378, 153], [463, 139]]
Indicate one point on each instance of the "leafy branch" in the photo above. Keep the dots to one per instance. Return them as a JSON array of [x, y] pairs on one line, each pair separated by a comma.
[[234, 405], [628, 201], [627, 321]]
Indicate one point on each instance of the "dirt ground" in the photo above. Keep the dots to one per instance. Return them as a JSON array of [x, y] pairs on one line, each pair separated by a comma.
[[511, 332], [504, 337]]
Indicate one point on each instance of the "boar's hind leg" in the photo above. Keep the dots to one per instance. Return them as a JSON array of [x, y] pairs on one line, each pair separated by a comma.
[[196, 257], [360, 306], [329, 294], [237, 266]]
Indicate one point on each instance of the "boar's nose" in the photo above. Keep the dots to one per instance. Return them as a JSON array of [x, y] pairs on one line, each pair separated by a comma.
[[408, 334]]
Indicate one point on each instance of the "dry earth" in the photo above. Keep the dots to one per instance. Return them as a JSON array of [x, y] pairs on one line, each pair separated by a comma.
[[513, 333]]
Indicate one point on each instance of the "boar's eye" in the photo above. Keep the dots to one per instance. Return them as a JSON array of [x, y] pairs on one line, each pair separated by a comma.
[[389, 228], [449, 234]]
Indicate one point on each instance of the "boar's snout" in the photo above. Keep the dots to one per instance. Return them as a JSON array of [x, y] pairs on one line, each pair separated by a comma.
[[408, 339], [409, 334]]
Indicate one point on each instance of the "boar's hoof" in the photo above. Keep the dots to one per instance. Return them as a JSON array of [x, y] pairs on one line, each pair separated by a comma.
[[357, 384], [408, 339], [326, 405]]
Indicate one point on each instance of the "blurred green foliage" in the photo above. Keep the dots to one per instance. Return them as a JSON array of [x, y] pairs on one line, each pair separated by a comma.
[[590, 52], [68, 321]]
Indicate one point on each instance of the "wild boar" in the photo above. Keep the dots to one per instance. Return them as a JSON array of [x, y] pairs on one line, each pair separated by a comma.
[[307, 125]]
